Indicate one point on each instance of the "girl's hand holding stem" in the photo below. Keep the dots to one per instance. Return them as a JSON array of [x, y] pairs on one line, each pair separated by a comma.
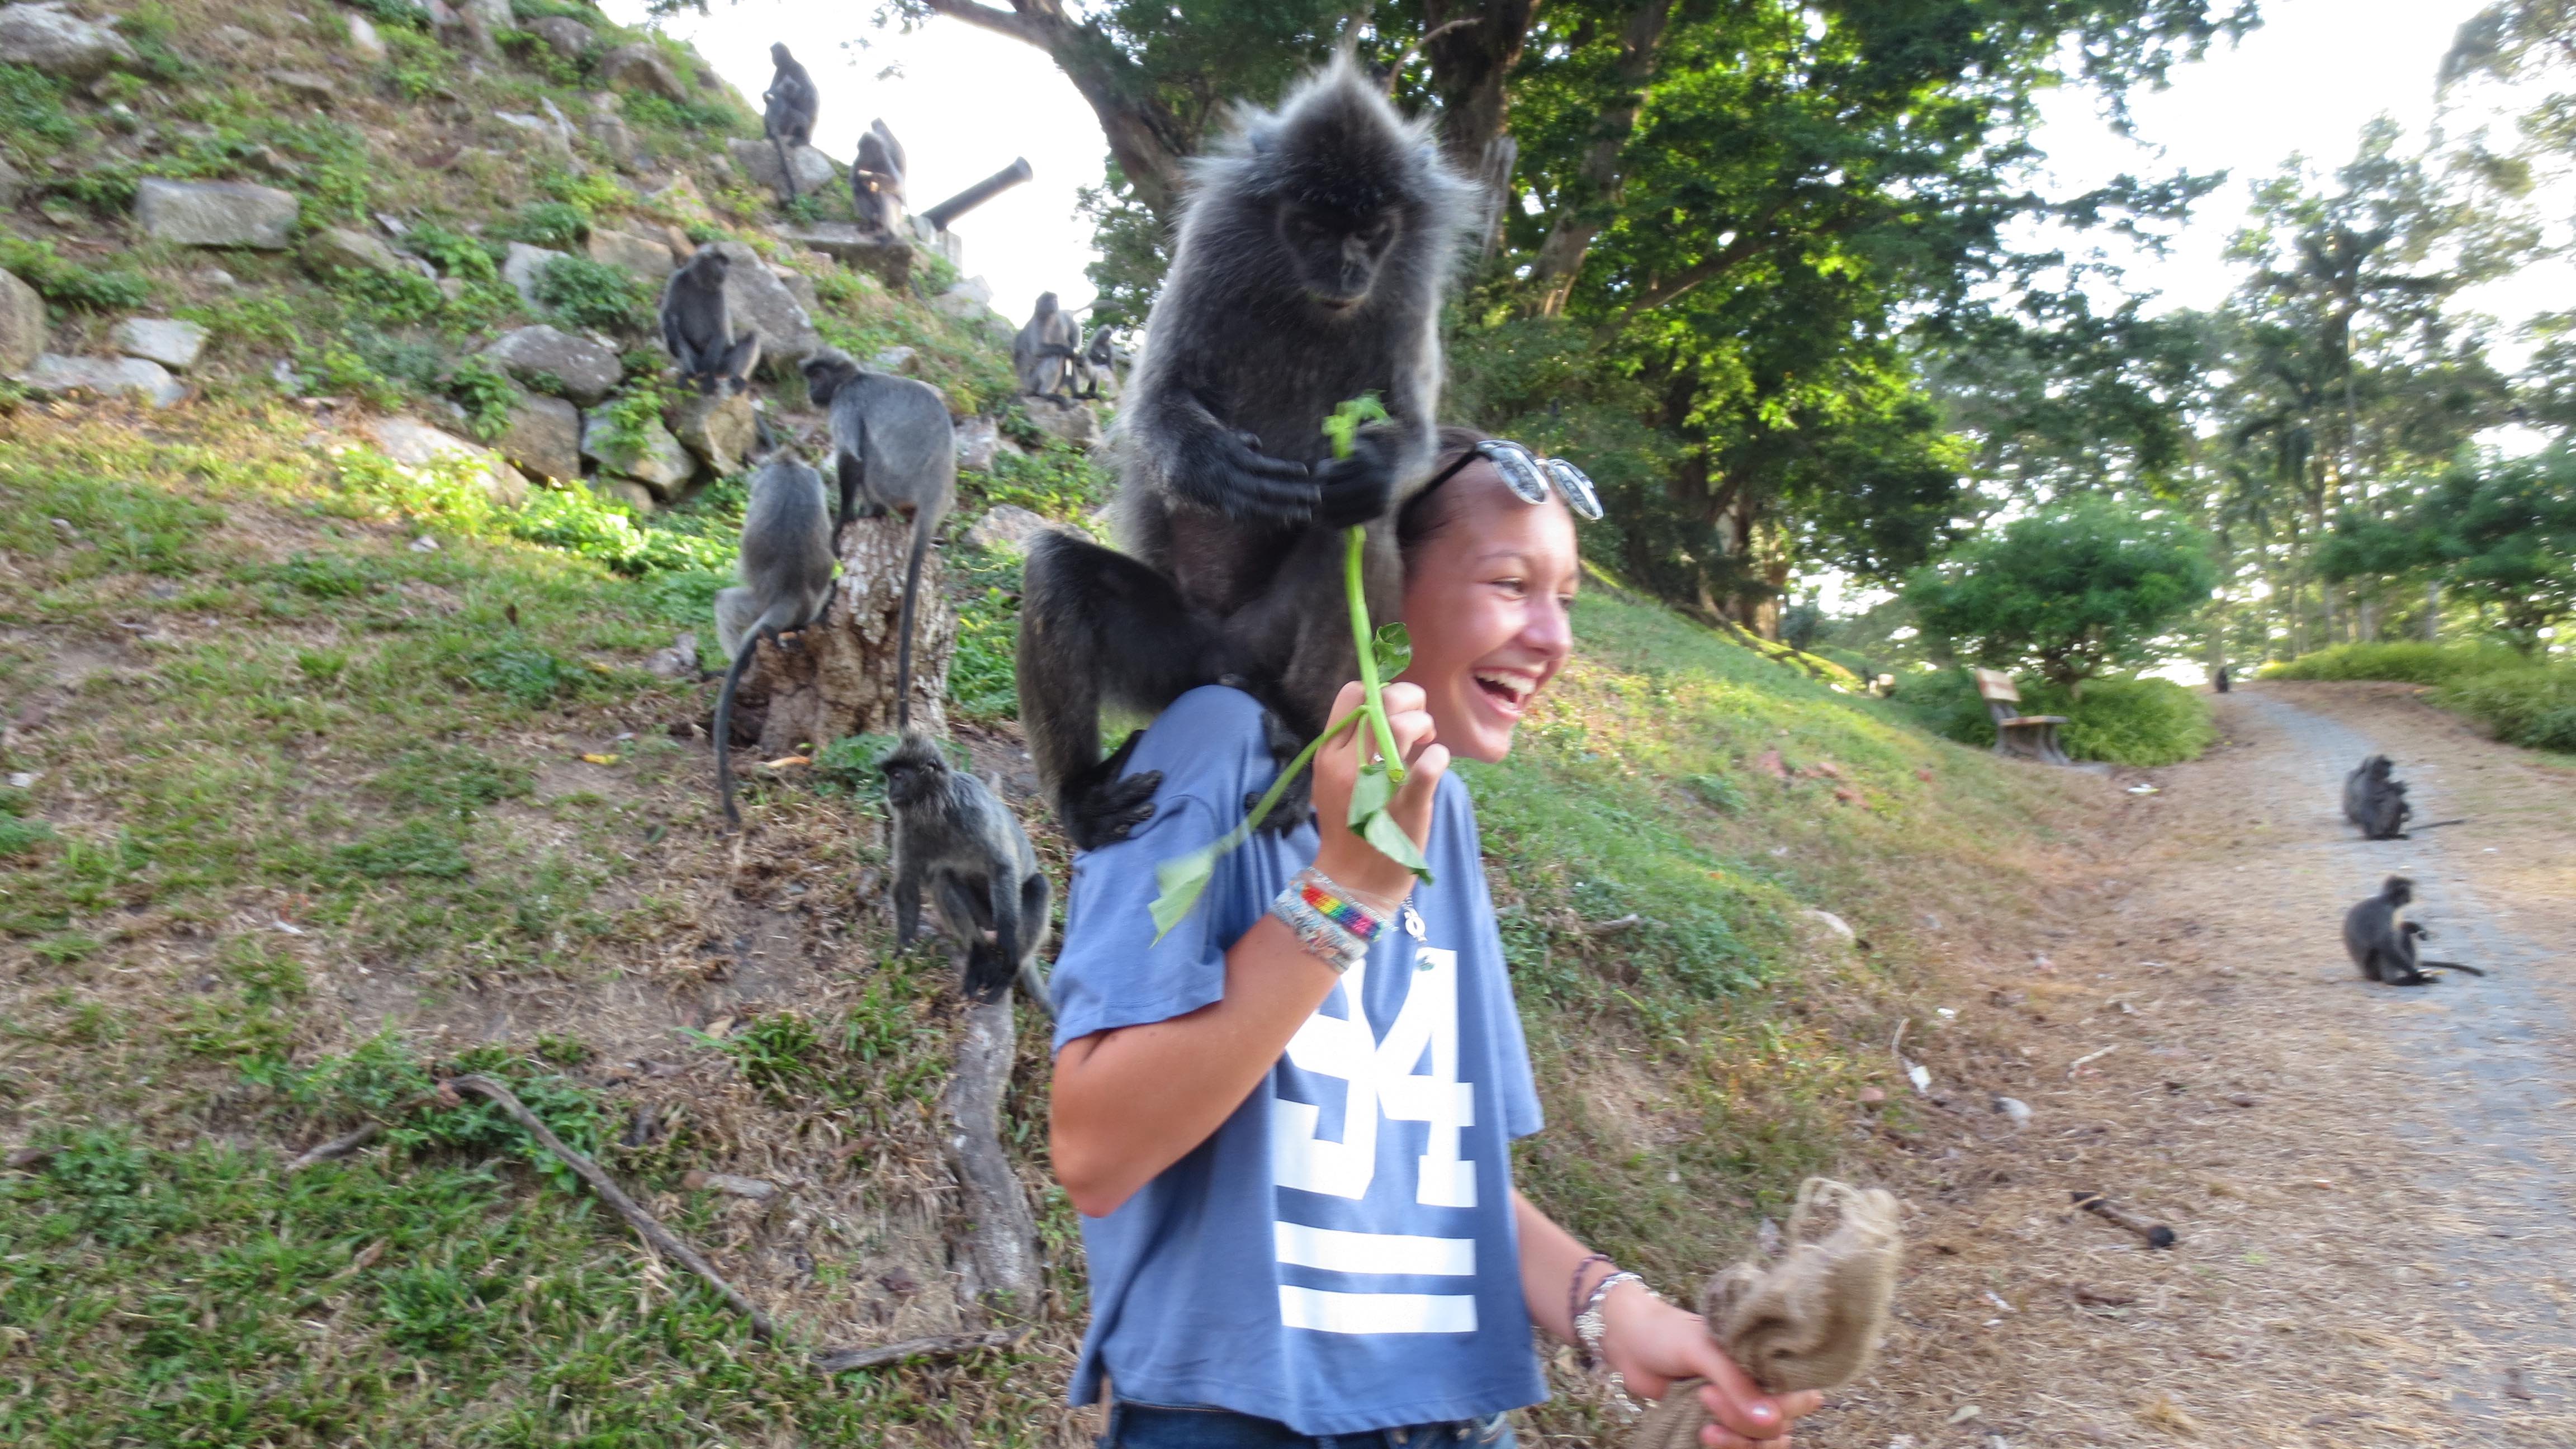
[[1351, 861]]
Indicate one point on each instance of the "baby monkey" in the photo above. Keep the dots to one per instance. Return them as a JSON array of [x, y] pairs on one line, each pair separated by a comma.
[[2382, 940], [954, 835]]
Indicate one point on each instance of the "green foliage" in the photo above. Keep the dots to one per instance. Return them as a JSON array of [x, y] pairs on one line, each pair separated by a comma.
[[594, 296], [2496, 531], [389, 299], [660, 113], [70, 283], [487, 394], [581, 522], [545, 224], [983, 673], [2411, 661], [2118, 721], [452, 252], [588, 192], [31, 109], [2071, 593], [395, 12], [18, 835], [632, 414], [2534, 707]]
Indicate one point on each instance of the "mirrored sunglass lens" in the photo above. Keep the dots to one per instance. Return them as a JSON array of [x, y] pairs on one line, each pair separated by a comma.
[[1519, 470], [1578, 489]]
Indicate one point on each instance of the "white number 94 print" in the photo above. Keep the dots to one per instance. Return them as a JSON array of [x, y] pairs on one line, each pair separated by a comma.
[[1381, 1080]]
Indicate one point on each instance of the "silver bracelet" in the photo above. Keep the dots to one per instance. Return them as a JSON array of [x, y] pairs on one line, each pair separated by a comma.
[[1589, 1326]]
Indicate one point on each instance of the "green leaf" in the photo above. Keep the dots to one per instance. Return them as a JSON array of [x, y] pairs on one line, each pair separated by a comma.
[[1393, 646], [1371, 793], [1183, 878], [1344, 425], [1381, 831]]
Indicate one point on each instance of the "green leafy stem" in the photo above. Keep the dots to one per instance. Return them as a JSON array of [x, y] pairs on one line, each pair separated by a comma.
[[1383, 653]]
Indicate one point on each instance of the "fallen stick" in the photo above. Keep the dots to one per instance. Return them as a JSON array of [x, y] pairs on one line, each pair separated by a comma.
[[338, 1147], [2155, 1235], [662, 1239], [941, 1345], [2088, 1059]]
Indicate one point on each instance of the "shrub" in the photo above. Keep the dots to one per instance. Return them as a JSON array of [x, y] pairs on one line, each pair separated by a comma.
[[594, 296], [452, 252], [394, 12], [31, 108], [70, 283], [2119, 721], [2069, 594], [2412, 662], [486, 393], [546, 224], [2533, 706]]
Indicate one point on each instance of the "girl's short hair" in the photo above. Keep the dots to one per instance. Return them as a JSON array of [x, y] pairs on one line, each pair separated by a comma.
[[1427, 512]]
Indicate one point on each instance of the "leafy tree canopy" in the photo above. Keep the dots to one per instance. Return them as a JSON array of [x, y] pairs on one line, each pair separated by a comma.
[[2068, 593], [2498, 531]]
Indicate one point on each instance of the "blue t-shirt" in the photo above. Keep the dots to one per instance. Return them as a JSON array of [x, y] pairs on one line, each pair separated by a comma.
[[1340, 1255]]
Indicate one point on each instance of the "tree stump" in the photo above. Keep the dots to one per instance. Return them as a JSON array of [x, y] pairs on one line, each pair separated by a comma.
[[841, 681], [1001, 1257]]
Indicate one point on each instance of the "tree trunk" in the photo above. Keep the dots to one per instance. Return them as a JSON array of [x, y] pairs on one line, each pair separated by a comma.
[[2432, 611], [839, 679], [1001, 1237], [1145, 138], [1469, 67], [1594, 196]]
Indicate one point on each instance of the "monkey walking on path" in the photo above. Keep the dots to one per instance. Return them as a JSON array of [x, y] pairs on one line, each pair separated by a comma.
[[2382, 940], [786, 585], [791, 102], [1309, 271], [953, 835], [893, 448]]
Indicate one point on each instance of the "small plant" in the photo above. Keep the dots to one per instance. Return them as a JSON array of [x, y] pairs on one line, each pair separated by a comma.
[[394, 12], [594, 296], [391, 298], [588, 192], [631, 415], [19, 835], [486, 393], [31, 108], [452, 252], [546, 224], [70, 283]]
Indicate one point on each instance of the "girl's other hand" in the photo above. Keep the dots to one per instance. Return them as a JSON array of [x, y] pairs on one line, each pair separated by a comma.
[[1350, 861], [1654, 1344]]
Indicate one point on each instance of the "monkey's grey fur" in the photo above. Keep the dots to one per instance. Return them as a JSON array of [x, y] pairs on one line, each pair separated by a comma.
[[876, 179], [1046, 350], [893, 447], [786, 585], [789, 118], [2382, 940], [2375, 800], [697, 326], [954, 836], [1309, 270]]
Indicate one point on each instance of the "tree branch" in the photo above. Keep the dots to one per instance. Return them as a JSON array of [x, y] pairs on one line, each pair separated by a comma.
[[1014, 24]]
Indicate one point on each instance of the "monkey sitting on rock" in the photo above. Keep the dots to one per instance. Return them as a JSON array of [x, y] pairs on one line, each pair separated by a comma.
[[2382, 940], [697, 327], [953, 835], [788, 114]]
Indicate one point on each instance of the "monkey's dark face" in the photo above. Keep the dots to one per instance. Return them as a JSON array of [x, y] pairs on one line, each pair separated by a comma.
[[1336, 255], [826, 376], [710, 267], [778, 55], [914, 777], [2399, 890]]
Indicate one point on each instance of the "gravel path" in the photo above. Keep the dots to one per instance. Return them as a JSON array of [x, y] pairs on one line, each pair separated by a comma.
[[2375, 1187]]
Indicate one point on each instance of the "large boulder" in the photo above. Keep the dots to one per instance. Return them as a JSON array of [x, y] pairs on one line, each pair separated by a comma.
[[759, 161], [215, 213], [761, 302], [415, 444], [544, 438], [172, 343], [364, 38], [979, 442], [606, 125], [636, 497], [338, 248], [587, 371], [648, 257], [1008, 527], [22, 325], [641, 67], [889, 259], [722, 429], [521, 266], [661, 464], [146, 382], [563, 35], [53, 39], [1066, 422]]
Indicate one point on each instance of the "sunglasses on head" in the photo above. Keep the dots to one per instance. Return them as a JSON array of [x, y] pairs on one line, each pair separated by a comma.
[[1528, 475]]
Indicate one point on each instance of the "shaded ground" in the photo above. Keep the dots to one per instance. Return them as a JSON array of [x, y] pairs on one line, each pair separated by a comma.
[[2373, 1186]]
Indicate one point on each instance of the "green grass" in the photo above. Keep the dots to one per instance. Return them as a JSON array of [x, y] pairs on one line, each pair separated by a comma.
[[2525, 701]]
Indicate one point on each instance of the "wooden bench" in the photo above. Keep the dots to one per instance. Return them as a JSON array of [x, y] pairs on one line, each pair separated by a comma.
[[2022, 736]]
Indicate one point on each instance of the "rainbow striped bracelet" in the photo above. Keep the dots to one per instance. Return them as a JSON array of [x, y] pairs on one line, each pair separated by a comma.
[[1331, 926]]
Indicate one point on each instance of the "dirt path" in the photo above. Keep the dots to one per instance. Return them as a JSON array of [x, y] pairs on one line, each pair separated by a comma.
[[2375, 1188]]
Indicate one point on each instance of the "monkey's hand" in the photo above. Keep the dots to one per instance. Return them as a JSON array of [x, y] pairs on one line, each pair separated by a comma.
[[1098, 808], [1297, 802], [1357, 489], [1220, 469]]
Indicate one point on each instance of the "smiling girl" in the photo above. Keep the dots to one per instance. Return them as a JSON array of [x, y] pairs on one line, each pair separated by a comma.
[[1287, 1123]]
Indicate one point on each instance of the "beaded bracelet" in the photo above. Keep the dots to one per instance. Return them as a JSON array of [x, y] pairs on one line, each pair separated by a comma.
[[1330, 922], [1589, 1327]]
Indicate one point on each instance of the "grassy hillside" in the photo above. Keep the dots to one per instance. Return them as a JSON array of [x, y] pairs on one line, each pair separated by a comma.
[[329, 777]]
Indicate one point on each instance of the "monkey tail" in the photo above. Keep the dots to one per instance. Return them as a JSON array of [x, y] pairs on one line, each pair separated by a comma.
[[2438, 824], [922, 523], [786, 173], [724, 717], [2453, 966]]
